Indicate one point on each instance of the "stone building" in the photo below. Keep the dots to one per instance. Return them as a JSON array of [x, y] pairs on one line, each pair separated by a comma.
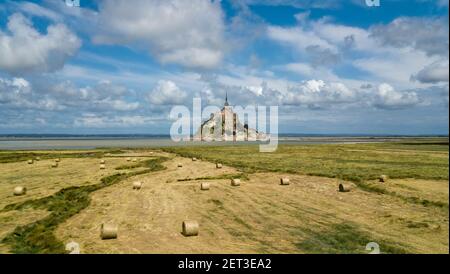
[[224, 125]]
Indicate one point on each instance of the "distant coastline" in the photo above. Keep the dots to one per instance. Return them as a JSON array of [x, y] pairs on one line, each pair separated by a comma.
[[67, 141]]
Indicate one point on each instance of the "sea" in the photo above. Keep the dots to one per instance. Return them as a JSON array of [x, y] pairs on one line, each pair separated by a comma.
[[62, 141]]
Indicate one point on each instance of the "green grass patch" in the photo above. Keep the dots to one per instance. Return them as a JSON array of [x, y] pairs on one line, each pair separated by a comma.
[[344, 238], [353, 162], [38, 237], [19, 156], [242, 176], [409, 199]]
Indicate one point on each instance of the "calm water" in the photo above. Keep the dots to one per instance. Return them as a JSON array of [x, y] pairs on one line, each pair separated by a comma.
[[46, 143]]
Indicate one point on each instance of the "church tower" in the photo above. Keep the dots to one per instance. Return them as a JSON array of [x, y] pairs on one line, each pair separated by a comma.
[[226, 99]]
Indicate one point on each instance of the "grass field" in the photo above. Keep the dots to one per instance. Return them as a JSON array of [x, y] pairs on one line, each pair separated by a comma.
[[408, 214]]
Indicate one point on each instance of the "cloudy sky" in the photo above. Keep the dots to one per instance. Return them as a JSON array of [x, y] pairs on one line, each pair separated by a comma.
[[118, 66]]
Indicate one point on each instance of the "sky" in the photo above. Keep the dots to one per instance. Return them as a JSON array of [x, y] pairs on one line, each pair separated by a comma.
[[119, 66]]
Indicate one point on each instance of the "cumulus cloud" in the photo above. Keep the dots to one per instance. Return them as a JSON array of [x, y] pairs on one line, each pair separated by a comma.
[[321, 42], [104, 96], [189, 33], [386, 97], [91, 120], [36, 10], [317, 94], [296, 3], [23, 49], [18, 93], [426, 34], [166, 93], [433, 73]]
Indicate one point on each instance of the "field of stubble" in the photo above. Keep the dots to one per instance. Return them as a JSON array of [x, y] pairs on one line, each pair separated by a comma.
[[408, 214]]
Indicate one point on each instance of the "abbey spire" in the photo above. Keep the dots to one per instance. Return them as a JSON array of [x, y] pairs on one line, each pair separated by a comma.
[[226, 99]]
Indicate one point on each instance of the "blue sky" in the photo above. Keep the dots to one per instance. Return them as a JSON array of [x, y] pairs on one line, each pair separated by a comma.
[[332, 67]]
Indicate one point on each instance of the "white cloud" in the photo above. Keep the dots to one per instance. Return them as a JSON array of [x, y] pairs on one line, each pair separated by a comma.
[[96, 121], [387, 97], [24, 49], [303, 4], [319, 94], [37, 10], [166, 93], [307, 70], [189, 33], [433, 73], [103, 97], [429, 35], [394, 66], [18, 93]]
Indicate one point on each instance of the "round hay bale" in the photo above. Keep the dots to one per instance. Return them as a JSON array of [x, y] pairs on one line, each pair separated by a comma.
[[180, 165], [218, 165], [383, 178], [137, 185], [190, 228], [57, 160], [345, 187], [55, 165], [20, 190], [134, 160], [284, 181], [204, 186], [108, 231], [102, 161], [30, 162], [102, 166], [194, 159], [38, 158], [235, 182], [128, 159]]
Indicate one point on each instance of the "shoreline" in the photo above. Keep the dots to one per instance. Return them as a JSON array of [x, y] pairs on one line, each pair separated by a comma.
[[46, 143]]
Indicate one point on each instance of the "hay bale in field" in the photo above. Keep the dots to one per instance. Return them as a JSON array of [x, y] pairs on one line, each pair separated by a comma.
[[30, 162], [194, 159], [218, 165], [102, 161], [235, 182], [345, 187], [108, 231], [180, 165], [284, 181], [383, 178], [137, 185], [20, 190], [57, 160], [128, 159], [38, 158], [102, 166], [190, 228], [204, 186], [55, 165], [134, 160]]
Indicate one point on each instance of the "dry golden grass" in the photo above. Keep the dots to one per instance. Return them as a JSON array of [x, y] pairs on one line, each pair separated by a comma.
[[260, 216], [41, 180]]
